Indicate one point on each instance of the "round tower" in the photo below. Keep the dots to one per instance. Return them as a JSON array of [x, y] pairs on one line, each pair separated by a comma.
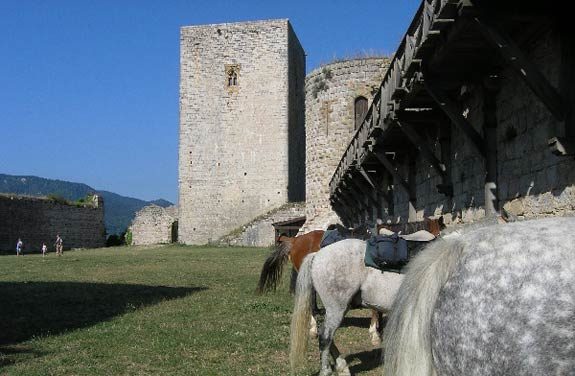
[[337, 96]]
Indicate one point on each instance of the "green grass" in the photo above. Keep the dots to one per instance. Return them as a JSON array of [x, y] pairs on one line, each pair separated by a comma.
[[154, 311]]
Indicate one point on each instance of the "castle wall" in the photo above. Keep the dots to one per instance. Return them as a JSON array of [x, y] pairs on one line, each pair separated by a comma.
[[154, 224], [37, 220], [260, 232], [331, 91], [234, 160], [532, 182]]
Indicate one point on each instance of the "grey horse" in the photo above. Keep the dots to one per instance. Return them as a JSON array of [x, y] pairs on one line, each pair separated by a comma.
[[498, 300], [338, 274]]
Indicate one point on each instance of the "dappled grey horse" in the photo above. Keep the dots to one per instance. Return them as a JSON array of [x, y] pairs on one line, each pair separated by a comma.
[[338, 274], [498, 300]]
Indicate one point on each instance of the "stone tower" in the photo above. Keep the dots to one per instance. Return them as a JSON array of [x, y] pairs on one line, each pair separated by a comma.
[[242, 135], [337, 98]]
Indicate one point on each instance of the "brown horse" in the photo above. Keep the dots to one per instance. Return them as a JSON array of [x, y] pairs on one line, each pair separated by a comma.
[[294, 249]]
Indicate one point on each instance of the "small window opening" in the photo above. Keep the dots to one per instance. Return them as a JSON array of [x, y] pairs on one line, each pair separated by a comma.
[[232, 73]]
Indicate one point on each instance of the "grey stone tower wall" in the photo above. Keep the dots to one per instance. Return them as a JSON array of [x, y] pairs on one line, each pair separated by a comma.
[[38, 220], [234, 153], [331, 91]]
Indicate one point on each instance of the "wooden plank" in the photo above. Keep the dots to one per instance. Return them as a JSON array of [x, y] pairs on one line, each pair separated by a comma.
[[391, 169], [452, 110], [522, 65]]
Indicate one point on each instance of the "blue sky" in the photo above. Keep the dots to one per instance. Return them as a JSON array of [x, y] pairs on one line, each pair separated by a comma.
[[89, 89]]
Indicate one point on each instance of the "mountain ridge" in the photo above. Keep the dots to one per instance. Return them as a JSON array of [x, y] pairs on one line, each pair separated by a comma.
[[118, 210]]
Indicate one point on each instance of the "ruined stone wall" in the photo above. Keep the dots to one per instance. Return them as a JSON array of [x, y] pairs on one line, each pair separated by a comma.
[[532, 182], [154, 224], [36, 220], [260, 232], [331, 91], [237, 158]]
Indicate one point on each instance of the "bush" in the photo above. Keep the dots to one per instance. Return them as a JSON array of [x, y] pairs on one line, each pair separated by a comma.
[[128, 237]]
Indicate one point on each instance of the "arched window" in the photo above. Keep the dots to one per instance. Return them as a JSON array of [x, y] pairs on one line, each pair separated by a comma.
[[360, 110]]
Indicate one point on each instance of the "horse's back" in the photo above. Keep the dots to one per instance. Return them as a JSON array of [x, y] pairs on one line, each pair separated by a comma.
[[508, 308]]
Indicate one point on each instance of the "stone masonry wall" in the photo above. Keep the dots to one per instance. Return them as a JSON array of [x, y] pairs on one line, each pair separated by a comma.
[[532, 182], [37, 220], [153, 224], [260, 232], [235, 160], [331, 91]]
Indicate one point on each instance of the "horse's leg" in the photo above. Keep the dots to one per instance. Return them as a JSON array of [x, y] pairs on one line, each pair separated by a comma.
[[312, 327], [314, 312], [374, 328], [327, 348]]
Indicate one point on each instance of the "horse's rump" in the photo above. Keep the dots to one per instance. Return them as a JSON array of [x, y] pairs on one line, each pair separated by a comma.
[[497, 300]]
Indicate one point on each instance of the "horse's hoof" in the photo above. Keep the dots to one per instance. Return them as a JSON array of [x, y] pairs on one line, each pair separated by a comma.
[[341, 367], [375, 339], [325, 372]]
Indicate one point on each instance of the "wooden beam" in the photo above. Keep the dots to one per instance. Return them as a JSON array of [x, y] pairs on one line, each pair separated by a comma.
[[365, 191], [490, 131], [391, 169], [446, 186], [453, 111], [421, 145], [411, 180], [522, 65], [366, 177], [351, 194]]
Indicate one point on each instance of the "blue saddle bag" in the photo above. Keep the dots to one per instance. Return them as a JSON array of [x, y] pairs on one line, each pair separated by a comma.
[[386, 252]]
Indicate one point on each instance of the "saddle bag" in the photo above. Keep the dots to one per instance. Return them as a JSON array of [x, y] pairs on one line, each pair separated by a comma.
[[386, 252], [330, 237]]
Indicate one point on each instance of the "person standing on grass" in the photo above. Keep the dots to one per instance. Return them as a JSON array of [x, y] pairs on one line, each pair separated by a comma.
[[19, 247], [59, 245], [44, 249]]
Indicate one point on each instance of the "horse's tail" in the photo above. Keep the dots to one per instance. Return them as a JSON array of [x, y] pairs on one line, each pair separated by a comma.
[[407, 338], [273, 267], [301, 313]]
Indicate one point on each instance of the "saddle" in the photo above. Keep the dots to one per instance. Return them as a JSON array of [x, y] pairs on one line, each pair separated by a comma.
[[389, 251]]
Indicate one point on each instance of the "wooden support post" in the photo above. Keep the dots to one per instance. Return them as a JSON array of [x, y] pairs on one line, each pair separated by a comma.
[[446, 186], [341, 210], [352, 195], [453, 111], [490, 131], [411, 173], [349, 205], [564, 143], [513, 56]]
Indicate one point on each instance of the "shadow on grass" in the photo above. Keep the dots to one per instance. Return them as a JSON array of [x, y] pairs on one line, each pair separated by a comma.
[[368, 360], [31, 309]]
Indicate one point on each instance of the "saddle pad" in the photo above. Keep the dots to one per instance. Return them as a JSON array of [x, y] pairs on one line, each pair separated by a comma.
[[386, 252], [330, 237]]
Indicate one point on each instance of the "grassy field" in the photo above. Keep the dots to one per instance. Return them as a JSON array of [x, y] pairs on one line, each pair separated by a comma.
[[154, 311]]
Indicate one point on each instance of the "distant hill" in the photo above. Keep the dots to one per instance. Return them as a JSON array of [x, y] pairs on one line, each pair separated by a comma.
[[118, 210]]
